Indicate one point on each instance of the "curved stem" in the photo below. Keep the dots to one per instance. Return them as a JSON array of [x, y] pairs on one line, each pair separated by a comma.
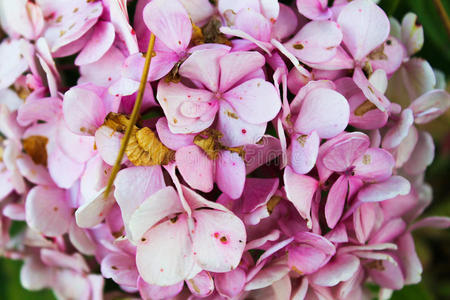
[[133, 117], [443, 15]]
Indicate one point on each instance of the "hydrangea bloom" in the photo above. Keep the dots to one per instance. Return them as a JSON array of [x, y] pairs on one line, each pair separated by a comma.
[[278, 153]]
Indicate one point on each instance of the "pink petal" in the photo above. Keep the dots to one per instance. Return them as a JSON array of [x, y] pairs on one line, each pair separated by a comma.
[[231, 283], [201, 285], [316, 42], [422, 156], [172, 140], [119, 18], [141, 182], [149, 291], [76, 19], [80, 148], [35, 275], [55, 258], [44, 109], [348, 148], [372, 119], [300, 190], [433, 222], [230, 174], [37, 174], [336, 201], [203, 66], [256, 101], [325, 111], [396, 134], [374, 165], [164, 254], [99, 43], [83, 111], [195, 167], [94, 178], [390, 276], [305, 258], [286, 23], [47, 210], [121, 268], [390, 188], [253, 23], [412, 33], [81, 239], [364, 219], [389, 231], [364, 25], [314, 10], [236, 131], [155, 208], [199, 10], [234, 66], [169, 22], [218, 241], [341, 268], [394, 55]]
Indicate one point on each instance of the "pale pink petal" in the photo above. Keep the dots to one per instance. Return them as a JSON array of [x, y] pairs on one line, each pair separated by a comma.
[[422, 156], [155, 208], [316, 42], [47, 210], [80, 148], [348, 148], [63, 170], [303, 152], [315, 9], [141, 182], [256, 101], [55, 258], [395, 135], [13, 61], [44, 109], [195, 167], [325, 111], [172, 140], [336, 201], [101, 40], [374, 165], [234, 66], [121, 268], [364, 219], [364, 25], [37, 174], [94, 178], [83, 111], [412, 267], [203, 66], [300, 190], [390, 188], [94, 211], [108, 144], [236, 131], [201, 285], [81, 239], [271, 273], [119, 18], [171, 96], [230, 174], [164, 255], [198, 10], [35, 275], [149, 291], [169, 21], [372, 94], [391, 58], [218, 241], [389, 231], [341, 268], [412, 33], [430, 106]]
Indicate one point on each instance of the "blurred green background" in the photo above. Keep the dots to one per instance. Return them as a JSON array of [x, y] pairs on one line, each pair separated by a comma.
[[432, 245]]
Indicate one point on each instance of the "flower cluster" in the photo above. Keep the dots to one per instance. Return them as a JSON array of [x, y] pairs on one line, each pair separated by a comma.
[[277, 154]]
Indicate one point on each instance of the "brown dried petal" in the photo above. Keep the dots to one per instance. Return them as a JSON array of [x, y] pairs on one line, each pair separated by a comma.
[[208, 140], [145, 149], [117, 122], [34, 146], [364, 107], [211, 32]]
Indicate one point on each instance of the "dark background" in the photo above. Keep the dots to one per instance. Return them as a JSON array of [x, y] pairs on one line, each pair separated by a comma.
[[433, 246]]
